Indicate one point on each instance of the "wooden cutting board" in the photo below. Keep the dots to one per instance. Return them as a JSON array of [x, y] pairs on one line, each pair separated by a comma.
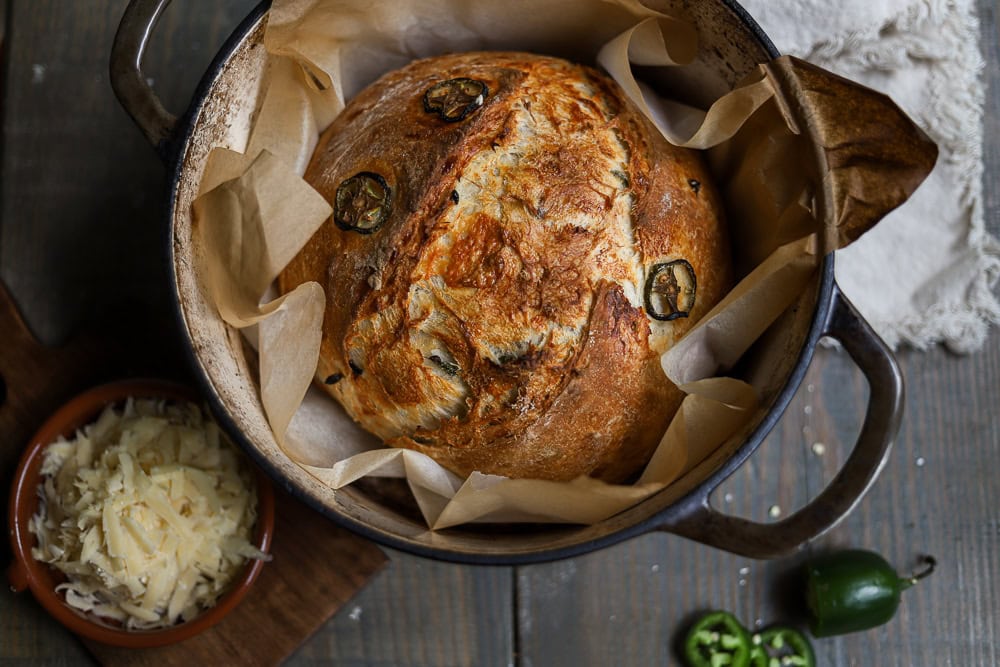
[[317, 566]]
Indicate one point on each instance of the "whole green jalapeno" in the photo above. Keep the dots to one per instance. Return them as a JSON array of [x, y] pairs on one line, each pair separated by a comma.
[[854, 590]]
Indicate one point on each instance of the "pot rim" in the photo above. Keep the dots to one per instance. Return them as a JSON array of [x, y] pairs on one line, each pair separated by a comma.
[[176, 149]]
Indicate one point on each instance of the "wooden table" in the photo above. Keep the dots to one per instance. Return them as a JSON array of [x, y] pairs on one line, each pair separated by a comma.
[[82, 228]]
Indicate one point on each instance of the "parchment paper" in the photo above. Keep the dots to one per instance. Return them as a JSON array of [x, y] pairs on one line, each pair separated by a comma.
[[256, 211]]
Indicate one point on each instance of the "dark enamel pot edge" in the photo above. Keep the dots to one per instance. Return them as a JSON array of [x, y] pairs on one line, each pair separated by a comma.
[[690, 515]]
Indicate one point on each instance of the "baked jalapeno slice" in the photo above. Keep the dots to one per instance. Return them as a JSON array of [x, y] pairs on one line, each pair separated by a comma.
[[362, 203], [670, 290], [717, 639], [454, 99]]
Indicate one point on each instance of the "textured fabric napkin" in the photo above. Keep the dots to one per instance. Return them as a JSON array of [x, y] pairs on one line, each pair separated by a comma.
[[926, 274]]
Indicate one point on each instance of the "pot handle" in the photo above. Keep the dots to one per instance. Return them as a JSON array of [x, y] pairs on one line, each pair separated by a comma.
[[697, 519], [127, 80]]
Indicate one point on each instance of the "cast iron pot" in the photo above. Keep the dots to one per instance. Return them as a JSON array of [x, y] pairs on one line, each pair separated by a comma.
[[220, 114]]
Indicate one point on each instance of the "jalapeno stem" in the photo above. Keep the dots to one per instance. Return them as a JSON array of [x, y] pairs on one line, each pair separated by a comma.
[[929, 562]]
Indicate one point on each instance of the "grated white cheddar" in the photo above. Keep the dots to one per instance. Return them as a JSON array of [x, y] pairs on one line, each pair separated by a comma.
[[148, 512]]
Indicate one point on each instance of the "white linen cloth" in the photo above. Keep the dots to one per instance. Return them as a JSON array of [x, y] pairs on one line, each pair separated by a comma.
[[925, 274]]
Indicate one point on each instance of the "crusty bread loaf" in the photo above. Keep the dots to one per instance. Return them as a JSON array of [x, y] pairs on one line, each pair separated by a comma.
[[513, 246]]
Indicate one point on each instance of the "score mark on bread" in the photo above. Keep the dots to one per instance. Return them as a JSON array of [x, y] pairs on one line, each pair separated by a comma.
[[513, 247]]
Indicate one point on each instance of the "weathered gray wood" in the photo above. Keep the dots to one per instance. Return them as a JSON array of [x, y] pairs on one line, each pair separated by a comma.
[[82, 193], [421, 613]]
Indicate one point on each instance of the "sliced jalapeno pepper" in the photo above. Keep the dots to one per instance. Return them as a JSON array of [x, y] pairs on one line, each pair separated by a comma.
[[362, 203], [717, 639], [781, 647], [454, 99], [854, 590], [670, 290]]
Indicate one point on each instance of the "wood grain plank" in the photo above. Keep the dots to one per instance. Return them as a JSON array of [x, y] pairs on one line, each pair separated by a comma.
[[82, 197], [421, 613]]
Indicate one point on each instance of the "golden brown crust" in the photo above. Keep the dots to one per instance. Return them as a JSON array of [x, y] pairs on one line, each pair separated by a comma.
[[505, 332]]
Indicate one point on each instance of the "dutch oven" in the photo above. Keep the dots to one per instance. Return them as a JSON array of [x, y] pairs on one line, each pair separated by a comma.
[[221, 110]]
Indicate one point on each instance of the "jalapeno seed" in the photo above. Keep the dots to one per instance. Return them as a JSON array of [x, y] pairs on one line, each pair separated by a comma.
[[454, 99], [362, 203], [670, 290]]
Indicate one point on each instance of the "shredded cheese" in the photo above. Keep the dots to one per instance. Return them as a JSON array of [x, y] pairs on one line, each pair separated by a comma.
[[148, 512]]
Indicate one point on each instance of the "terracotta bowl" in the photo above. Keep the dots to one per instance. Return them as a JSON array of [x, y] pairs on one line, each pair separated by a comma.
[[26, 572]]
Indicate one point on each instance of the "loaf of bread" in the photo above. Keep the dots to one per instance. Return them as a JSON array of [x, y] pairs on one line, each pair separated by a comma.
[[513, 246]]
